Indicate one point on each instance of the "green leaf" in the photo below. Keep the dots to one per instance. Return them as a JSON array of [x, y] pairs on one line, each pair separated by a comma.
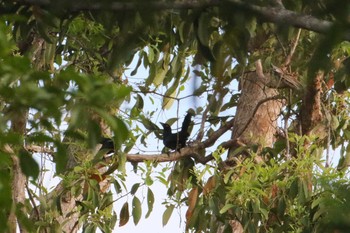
[[136, 210], [167, 214], [161, 72], [28, 165], [169, 97], [281, 208], [203, 31], [226, 208], [316, 202], [150, 202], [148, 180], [121, 131], [181, 31], [90, 228], [228, 176], [137, 66], [150, 55], [113, 220], [61, 158], [44, 31], [5, 186], [334, 122], [117, 187], [148, 124], [152, 74], [134, 188], [264, 213], [293, 190]]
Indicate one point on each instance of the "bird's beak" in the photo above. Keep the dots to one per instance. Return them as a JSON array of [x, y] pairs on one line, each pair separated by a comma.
[[163, 124]]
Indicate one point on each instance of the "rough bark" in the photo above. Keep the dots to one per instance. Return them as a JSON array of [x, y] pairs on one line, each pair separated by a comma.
[[311, 113], [257, 111], [18, 125]]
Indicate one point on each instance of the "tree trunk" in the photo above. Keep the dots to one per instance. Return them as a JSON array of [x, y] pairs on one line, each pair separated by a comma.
[[257, 111], [18, 125]]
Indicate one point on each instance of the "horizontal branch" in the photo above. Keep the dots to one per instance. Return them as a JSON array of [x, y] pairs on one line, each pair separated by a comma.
[[275, 14], [190, 151], [122, 6], [283, 16]]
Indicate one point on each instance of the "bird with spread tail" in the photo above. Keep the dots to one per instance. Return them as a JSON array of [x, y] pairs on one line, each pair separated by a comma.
[[176, 141]]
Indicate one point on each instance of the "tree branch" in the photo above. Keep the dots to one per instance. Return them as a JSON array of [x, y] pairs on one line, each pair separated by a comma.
[[274, 14], [122, 6], [283, 16], [190, 151], [292, 51]]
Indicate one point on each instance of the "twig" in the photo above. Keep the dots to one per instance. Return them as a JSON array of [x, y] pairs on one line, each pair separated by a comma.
[[281, 44], [286, 134], [201, 129], [292, 51], [162, 95], [33, 203]]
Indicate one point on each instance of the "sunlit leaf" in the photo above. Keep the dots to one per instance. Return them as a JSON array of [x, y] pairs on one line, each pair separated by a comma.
[[167, 214], [161, 72]]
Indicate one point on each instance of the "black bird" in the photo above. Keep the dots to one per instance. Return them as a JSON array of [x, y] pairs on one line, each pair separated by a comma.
[[107, 144], [176, 141]]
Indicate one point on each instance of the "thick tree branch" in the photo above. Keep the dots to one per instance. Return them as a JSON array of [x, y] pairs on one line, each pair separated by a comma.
[[274, 14], [192, 150], [122, 6], [280, 15]]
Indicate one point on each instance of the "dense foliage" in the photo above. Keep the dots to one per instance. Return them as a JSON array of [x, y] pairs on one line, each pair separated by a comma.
[[67, 79]]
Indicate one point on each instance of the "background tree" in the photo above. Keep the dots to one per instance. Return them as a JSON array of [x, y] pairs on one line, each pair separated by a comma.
[[65, 82]]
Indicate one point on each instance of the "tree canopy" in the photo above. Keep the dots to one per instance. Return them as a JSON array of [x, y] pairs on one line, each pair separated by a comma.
[[273, 75]]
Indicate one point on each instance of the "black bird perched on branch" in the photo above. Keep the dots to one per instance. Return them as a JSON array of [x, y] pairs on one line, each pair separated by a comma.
[[176, 141]]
